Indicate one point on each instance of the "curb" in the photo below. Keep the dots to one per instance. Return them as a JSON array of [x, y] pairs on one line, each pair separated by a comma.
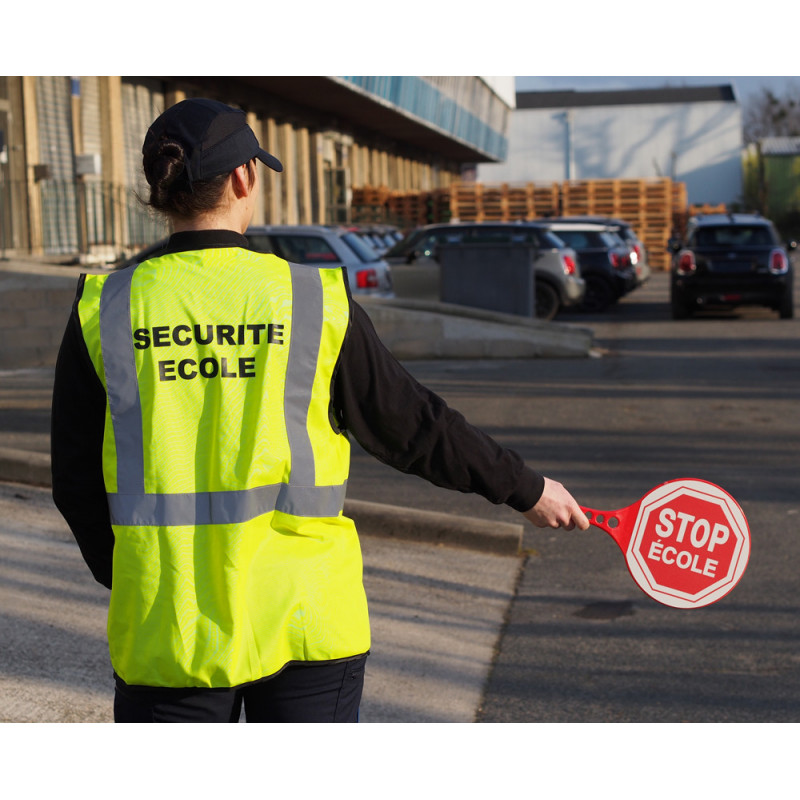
[[432, 527], [372, 519], [24, 466], [417, 329]]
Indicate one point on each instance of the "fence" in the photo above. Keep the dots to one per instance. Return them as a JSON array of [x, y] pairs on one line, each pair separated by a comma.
[[79, 217]]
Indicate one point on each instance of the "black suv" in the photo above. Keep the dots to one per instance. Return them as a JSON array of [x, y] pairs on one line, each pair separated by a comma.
[[731, 260]]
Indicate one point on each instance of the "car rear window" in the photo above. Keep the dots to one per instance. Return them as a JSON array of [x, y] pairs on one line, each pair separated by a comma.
[[360, 247], [613, 239], [515, 234], [259, 243], [628, 234], [302, 249], [584, 240], [732, 236], [479, 235], [405, 244], [550, 239]]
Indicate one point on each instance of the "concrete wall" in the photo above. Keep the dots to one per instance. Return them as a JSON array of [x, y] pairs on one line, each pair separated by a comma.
[[696, 143], [35, 303], [36, 300]]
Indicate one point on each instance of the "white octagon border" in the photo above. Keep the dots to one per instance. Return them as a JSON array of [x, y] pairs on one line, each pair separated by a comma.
[[701, 490]]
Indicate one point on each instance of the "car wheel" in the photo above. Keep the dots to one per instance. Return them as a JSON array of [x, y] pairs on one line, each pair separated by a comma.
[[599, 294], [547, 301], [786, 308]]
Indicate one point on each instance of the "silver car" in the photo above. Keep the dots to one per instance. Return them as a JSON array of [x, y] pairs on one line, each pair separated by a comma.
[[557, 273], [317, 245], [326, 246]]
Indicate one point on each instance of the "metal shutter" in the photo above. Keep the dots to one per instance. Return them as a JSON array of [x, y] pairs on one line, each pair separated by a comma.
[[59, 221], [142, 101]]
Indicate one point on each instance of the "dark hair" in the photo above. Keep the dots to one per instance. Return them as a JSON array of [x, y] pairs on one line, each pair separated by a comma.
[[171, 191]]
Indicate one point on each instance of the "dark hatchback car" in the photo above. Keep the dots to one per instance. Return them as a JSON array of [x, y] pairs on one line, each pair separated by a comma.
[[626, 232], [731, 260], [606, 263]]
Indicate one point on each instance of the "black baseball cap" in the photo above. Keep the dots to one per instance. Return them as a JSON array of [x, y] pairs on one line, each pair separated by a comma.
[[215, 137]]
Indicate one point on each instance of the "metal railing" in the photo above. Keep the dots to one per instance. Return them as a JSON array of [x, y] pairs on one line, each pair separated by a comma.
[[77, 216]]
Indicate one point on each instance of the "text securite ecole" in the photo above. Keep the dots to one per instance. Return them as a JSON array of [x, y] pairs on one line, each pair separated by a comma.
[[211, 366]]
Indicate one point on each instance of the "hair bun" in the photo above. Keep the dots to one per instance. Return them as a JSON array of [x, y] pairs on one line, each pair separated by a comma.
[[163, 165], [171, 191]]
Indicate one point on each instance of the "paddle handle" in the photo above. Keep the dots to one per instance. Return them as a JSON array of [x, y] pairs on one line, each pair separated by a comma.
[[617, 524]]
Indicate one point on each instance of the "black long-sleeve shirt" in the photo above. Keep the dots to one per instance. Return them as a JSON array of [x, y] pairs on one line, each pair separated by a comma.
[[374, 399]]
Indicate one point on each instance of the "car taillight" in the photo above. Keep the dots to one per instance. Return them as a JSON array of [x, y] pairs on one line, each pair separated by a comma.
[[569, 264], [686, 265], [637, 248], [618, 260], [778, 262], [367, 279], [634, 255]]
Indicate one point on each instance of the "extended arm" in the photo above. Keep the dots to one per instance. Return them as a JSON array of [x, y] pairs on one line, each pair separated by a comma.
[[410, 428]]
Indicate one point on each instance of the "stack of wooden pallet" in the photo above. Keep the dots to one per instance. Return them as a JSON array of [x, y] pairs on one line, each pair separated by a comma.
[[478, 202], [410, 208], [645, 204], [546, 200], [466, 201], [494, 203], [369, 203], [370, 195], [519, 201], [706, 208], [654, 207], [587, 197], [649, 209], [440, 207]]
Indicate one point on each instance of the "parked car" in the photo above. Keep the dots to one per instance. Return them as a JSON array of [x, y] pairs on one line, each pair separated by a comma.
[[322, 245], [379, 237], [606, 263], [731, 260], [639, 256], [317, 245], [557, 274]]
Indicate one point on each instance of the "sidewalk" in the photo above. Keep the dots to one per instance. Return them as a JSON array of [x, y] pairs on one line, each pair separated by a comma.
[[439, 588]]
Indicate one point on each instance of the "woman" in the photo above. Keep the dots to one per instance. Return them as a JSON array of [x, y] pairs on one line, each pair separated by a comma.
[[202, 406]]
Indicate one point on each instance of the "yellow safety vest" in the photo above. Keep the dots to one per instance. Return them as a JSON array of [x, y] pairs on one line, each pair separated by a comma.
[[224, 475]]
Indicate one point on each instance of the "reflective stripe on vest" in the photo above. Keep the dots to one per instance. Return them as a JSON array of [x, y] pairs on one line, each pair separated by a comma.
[[131, 505]]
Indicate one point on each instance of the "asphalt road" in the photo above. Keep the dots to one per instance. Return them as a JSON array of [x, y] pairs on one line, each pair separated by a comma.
[[714, 397]]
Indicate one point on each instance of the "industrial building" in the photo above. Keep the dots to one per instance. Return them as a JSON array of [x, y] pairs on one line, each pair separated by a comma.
[[70, 148], [691, 135]]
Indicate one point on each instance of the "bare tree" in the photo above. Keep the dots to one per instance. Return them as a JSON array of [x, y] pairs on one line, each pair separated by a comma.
[[766, 114]]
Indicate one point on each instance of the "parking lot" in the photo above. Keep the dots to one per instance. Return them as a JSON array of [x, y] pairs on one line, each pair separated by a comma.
[[713, 397]]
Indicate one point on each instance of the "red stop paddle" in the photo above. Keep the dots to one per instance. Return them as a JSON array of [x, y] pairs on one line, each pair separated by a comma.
[[686, 542]]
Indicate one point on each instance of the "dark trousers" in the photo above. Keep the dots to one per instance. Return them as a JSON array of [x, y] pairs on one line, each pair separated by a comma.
[[313, 692]]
